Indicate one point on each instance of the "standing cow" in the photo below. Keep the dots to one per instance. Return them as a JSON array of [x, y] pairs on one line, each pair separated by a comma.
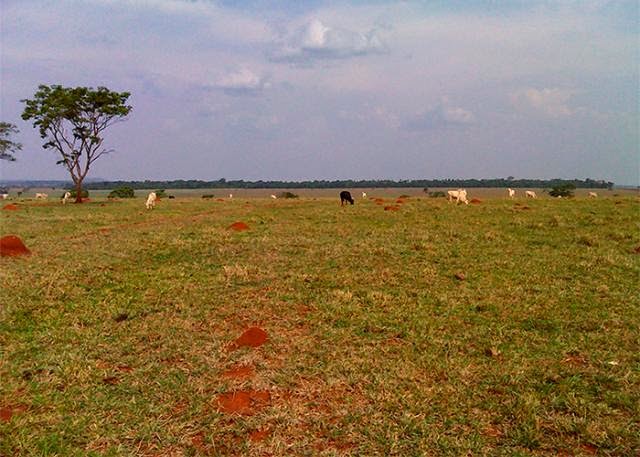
[[345, 196]]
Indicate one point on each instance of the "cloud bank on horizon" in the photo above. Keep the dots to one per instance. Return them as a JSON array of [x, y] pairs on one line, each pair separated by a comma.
[[332, 89]]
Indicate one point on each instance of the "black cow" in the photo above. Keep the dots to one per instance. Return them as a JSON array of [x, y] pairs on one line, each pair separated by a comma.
[[345, 197]]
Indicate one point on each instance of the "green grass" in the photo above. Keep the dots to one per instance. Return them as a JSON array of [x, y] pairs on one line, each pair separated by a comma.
[[115, 333]]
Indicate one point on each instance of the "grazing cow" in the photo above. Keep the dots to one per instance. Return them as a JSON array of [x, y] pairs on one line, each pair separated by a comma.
[[364, 195], [345, 196], [66, 197], [593, 195], [273, 196], [41, 196], [512, 193], [4, 196], [230, 195], [530, 194], [460, 196], [151, 200]]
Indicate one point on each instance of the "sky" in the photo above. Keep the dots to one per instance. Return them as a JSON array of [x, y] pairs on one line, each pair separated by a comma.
[[297, 90]]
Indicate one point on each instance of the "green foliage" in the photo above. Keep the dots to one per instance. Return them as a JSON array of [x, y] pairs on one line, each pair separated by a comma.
[[287, 194], [208, 196], [160, 193], [122, 192], [437, 194], [563, 190], [72, 121], [83, 194], [8, 147]]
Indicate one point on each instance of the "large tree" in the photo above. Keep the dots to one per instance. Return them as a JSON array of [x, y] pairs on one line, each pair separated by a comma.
[[72, 121], [7, 146]]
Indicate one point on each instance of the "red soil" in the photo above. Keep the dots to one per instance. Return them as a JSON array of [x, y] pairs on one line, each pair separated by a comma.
[[253, 337], [244, 402], [11, 245], [7, 412], [400, 201], [10, 207], [259, 435], [475, 201], [239, 372], [392, 208], [219, 199], [238, 226]]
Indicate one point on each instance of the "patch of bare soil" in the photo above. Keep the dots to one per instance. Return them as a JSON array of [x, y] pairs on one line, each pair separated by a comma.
[[392, 208], [239, 372], [238, 226], [243, 402], [252, 337], [10, 207]]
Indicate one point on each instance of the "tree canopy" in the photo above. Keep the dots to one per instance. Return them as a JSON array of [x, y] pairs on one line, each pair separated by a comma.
[[72, 122], [7, 146]]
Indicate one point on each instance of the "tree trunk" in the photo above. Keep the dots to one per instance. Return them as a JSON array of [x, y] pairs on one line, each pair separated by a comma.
[[78, 191]]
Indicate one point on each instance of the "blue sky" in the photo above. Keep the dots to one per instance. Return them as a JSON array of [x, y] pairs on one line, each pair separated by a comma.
[[269, 89]]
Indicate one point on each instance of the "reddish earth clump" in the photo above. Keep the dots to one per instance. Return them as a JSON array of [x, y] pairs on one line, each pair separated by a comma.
[[11, 245], [219, 199], [244, 402], [7, 412], [239, 372], [392, 208], [460, 276], [253, 337], [259, 435], [475, 201], [10, 207], [400, 201], [637, 250], [239, 226]]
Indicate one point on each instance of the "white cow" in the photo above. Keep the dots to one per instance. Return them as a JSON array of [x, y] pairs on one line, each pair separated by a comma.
[[151, 200], [4, 196], [593, 195], [230, 195], [41, 196], [66, 197], [459, 195], [273, 196], [364, 195], [512, 193], [530, 194]]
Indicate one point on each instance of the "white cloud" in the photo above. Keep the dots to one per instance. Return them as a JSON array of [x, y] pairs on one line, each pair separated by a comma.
[[317, 41], [440, 115], [241, 82], [550, 102]]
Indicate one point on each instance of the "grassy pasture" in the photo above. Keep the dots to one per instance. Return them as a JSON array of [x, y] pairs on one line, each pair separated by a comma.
[[505, 328]]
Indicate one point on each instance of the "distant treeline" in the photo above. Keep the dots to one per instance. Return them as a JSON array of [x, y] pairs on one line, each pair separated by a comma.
[[349, 183], [319, 184]]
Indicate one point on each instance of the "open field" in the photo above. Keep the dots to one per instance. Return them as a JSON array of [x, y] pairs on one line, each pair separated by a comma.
[[503, 328]]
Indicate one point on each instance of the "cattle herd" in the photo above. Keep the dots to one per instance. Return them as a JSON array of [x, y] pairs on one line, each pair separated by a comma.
[[458, 195]]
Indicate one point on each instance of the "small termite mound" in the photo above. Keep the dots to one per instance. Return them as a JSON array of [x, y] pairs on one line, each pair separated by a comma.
[[11, 246], [238, 226], [392, 208], [10, 207], [253, 337]]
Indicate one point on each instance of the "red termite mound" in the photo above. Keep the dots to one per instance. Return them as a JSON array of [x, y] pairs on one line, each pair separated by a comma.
[[11, 245], [400, 200], [244, 402], [239, 226], [475, 201], [253, 337], [392, 208], [10, 207]]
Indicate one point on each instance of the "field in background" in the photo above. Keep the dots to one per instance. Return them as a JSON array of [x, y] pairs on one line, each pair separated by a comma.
[[482, 192], [504, 328]]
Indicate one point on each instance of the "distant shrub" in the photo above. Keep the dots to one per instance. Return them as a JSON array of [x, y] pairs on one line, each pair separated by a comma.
[[160, 193], [171, 197], [84, 193], [287, 195], [563, 190], [122, 192], [208, 196], [437, 194]]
